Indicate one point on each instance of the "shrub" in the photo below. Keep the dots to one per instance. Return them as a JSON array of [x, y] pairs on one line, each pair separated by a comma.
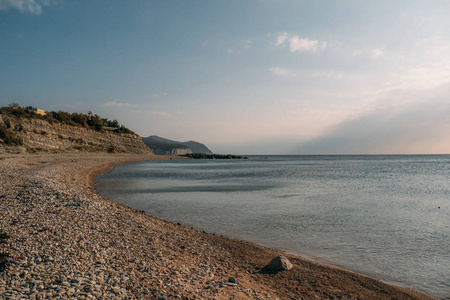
[[75, 119], [109, 123], [80, 119], [96, 122], [63, 117], [9, 138], [123, 129]]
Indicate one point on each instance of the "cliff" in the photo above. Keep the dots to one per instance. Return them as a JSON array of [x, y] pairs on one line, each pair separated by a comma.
[[162, 146], [20, 134], [197, 147]]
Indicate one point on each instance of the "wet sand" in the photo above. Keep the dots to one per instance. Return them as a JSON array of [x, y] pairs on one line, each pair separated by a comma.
[[63, 240]]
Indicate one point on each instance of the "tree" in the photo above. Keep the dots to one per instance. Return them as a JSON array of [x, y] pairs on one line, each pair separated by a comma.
[[113, 124], [14, 105]]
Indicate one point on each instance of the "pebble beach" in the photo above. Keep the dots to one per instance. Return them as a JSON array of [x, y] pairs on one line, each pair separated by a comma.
[[60, 239]]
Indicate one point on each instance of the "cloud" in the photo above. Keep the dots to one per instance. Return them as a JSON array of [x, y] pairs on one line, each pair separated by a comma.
[[376, 53], [119, 104], [368, 52], [156, 95], [281, 38], [24, 6], [422, 76], [418, 127], [242, 46], [161, 114], [357, 52], [297, 44], [282, 72], [329, 74]]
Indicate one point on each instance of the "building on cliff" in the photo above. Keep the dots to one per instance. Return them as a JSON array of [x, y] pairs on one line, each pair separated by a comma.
[[12, 108]]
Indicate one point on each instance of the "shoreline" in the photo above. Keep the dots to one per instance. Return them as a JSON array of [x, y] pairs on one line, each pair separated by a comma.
[[107, 249], [292, 253]]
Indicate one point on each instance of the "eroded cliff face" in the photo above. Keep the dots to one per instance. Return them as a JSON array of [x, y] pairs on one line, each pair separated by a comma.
[[181, 151], [162, 146], [40, 135], [172, 152]]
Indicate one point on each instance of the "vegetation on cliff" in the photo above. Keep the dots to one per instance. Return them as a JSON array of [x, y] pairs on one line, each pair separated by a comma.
[[94, 122], [8, 138], [27, 129]]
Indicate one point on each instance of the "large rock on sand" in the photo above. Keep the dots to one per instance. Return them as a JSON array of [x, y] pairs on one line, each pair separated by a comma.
[[278, 264]]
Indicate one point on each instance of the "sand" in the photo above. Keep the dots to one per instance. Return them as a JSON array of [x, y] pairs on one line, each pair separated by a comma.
[[60, 239]]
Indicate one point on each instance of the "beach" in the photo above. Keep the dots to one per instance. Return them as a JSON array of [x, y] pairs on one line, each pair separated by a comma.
[[63, 240]]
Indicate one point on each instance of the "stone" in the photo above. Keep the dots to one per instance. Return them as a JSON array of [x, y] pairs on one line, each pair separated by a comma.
[[279, 263], [232, 280], [70, 291]]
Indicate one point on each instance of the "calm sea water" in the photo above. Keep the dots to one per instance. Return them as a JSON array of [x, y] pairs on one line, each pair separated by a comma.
[[384, 216]]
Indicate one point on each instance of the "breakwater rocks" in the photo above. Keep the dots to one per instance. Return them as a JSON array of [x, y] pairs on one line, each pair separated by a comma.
[[59, 239], [213, 156]]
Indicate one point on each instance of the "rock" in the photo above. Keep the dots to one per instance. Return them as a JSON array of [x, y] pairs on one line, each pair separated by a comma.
[[70, 291], [232, 280], [280, 263]]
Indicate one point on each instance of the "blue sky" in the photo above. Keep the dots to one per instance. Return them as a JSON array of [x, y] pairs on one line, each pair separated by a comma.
[[253, 77]]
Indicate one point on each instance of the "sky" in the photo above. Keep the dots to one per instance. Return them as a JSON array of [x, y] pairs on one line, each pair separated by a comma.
[[242, 77]]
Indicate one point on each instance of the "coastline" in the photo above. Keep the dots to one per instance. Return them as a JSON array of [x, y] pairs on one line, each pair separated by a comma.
[[99, 248]]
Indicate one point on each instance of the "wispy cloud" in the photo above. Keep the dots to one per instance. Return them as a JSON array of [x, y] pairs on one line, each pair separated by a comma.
[[371, 52], [242, 46], [119, 104], [161, 114], [282, 72], [418, 126], [156, 95], [329, 74], [420, 77], [281, 38], [376, 53], [357, 52], [298, 44], [24, 6]]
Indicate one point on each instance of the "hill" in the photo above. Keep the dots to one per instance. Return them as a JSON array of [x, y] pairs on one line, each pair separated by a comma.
[[22, 130], [162, 146], [197, 147]]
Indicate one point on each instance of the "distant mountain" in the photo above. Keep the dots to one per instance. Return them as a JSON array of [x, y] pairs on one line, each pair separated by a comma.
[[197, 147], [162, 146]]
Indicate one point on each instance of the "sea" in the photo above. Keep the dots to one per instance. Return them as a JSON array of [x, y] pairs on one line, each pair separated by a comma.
[[384, 216]]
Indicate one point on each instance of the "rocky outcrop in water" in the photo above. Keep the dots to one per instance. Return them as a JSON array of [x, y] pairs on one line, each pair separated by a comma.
[[213, 156]]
